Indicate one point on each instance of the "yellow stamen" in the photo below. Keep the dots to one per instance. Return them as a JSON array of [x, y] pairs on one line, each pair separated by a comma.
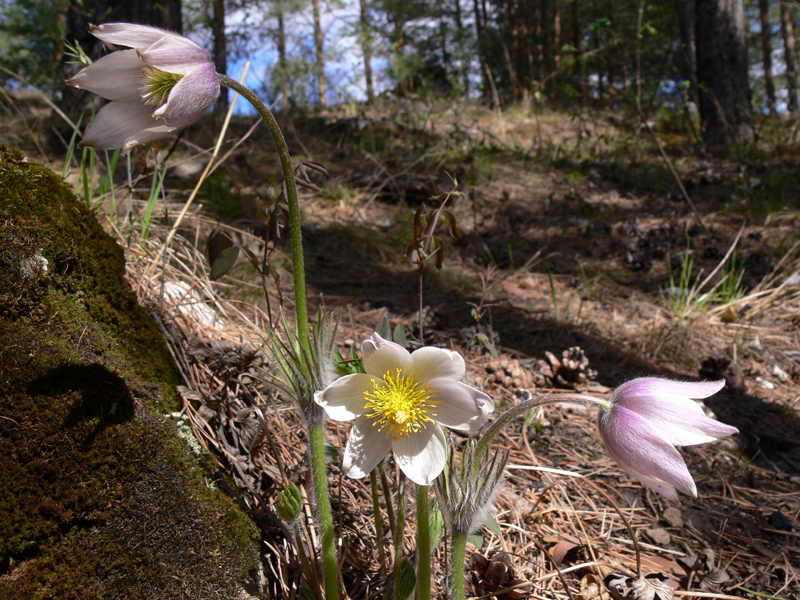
[[400, 405], [156, 85]]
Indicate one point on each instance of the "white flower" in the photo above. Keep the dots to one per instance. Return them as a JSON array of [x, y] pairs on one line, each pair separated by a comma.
[[399, 405], [166, 82], [647, 418]]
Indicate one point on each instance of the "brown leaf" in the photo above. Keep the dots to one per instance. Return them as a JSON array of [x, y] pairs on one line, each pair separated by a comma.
[[652, 586]]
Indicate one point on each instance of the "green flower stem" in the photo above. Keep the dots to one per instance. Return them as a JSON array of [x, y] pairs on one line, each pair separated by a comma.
[[423, 544], [400, 527], [316, 436], [376, 508], [506, 417], [298, 263], [458, 558], [314, 414]]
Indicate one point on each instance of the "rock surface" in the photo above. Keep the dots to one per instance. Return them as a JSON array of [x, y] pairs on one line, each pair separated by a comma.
[[99, 498]]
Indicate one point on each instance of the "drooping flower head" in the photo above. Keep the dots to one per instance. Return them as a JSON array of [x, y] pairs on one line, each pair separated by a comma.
[[164, 83], [647, 418], [399, 404]]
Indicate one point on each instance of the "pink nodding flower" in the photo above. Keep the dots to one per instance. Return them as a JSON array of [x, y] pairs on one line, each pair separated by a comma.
[[647, 418], [162, 84]]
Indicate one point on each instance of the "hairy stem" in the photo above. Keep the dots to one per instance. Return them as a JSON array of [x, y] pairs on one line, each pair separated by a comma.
[[376, 508], [316, 434], [458, 558], [298, 263], [423, 544], [523, 407]]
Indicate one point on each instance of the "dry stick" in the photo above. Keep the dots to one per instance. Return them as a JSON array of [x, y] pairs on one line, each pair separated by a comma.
[[202, 179], [549, 556], [672, 170]]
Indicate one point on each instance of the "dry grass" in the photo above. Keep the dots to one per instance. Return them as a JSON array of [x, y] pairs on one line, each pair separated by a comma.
[[555, 526]]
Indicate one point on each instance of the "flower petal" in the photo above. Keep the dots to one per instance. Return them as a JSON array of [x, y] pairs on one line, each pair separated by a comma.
[[123, 125], [380, 355], [642, 452], [343, 400], [655, 386], [115, 76], [175, 54], [365, 448], [680, 420], [128, 34], [422, 456], [191, 97], [462, 407], [430, 362]]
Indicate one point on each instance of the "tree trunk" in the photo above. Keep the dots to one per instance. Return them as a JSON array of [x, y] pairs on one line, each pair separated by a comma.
[[722, 73], [787, 31], [686, 11], [282, 60], [556, 35], [220, 56], [766, 50], [323, 100], [462, 54], [480, 33], [366, 49]]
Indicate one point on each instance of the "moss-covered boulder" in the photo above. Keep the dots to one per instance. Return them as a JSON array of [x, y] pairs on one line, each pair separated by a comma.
[[99, 498]]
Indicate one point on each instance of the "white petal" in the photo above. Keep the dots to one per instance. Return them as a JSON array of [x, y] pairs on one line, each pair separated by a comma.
[[365, 448], [128, 34], [175, 54], [461, 407], [422, 456], [429, 363], [343, 400], [380, 355], [123, 125], [191, 97], [679, 420], [115, 76]]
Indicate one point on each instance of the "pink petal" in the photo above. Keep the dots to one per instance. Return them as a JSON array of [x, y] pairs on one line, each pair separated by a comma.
[[191, 97], [128, 34], [115, 76], [343, 400], [641, 451], [365, 448], [422, 456], [380, 355], [123, 125], [679, 420], [429, 362], [462, 407], [655, 386]]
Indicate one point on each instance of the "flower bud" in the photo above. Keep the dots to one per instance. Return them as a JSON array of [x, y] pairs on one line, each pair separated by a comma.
[[290, 503]]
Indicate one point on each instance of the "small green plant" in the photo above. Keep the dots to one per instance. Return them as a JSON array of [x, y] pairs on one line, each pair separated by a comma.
[[684, 298]]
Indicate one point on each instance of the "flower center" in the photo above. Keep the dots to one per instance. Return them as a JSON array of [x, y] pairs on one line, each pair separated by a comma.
[[156, 85], [400, 405]]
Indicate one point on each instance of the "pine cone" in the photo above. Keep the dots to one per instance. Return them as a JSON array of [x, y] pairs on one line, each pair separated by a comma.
[[571, 370], [508, 373]]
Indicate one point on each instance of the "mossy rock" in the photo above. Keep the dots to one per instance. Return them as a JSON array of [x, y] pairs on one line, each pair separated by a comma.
[[99, 497]]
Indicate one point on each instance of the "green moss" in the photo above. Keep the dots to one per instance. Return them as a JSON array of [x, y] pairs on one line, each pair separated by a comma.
[[98, 496]]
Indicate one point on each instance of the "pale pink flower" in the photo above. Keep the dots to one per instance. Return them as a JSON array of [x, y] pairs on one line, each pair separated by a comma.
[[164, 83], [399, 404], [644, 422]]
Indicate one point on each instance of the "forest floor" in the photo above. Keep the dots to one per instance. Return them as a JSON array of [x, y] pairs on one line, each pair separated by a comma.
[[574, 236]]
